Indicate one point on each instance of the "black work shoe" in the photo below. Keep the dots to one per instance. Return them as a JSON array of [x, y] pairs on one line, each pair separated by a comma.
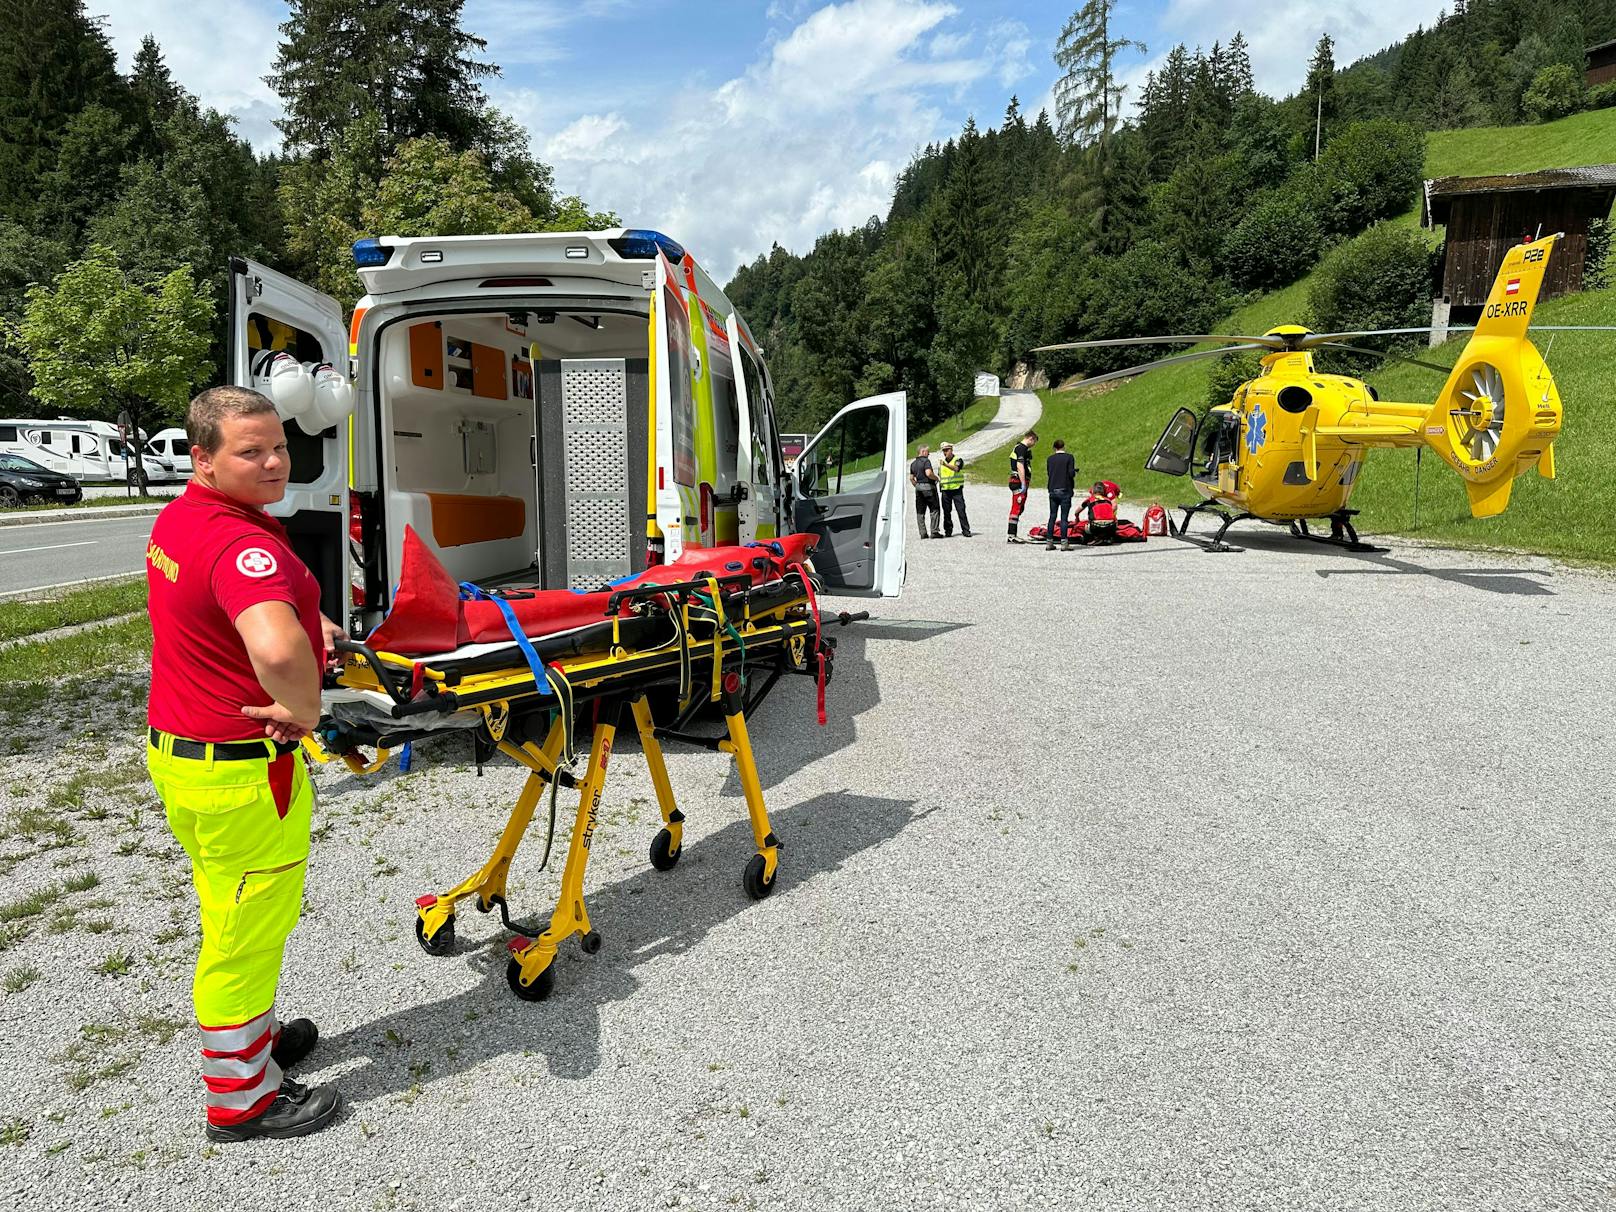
[[297, 1040], [296, 1111]]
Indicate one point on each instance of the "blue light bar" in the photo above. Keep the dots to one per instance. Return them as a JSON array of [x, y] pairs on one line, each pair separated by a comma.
[[641, 244], [370, 253]]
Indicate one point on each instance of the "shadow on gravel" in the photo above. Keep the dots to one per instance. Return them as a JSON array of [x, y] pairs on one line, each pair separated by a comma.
[[648, 917], [1489, 580]]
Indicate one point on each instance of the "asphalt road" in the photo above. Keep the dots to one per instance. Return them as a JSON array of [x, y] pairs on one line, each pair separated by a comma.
[[55, 553], [1138, 878]]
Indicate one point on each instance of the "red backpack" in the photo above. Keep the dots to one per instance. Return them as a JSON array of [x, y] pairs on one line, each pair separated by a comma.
[[1155, 520]]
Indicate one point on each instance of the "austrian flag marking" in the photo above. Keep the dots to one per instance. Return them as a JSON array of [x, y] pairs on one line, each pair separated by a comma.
[[1512, 287], [255, 562]]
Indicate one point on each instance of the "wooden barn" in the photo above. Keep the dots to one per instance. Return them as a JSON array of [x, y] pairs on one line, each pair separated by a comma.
[[1485, 216], [1601, 63]]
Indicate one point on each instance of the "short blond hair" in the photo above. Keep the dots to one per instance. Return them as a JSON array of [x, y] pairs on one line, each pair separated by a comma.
[[208, 411]]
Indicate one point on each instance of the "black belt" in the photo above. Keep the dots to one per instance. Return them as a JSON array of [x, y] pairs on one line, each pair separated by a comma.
[[223, 751]]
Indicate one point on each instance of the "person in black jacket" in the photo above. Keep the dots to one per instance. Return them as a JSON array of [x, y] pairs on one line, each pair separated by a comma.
[[1061, 469], [924, 477]]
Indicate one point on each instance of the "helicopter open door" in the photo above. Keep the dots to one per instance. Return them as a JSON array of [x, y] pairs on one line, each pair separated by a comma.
[[1171, 454]]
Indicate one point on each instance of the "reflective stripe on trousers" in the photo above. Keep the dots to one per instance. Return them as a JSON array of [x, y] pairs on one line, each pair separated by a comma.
[[245, 826], [237, 1067]]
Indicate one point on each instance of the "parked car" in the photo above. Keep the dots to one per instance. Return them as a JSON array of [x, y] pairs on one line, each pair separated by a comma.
[[25, 480]]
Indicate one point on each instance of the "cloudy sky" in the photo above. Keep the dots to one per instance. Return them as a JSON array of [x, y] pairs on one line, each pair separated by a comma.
[[736, 124]]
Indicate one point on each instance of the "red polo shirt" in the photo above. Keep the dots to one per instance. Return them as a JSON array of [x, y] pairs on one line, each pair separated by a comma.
[[208, 559]]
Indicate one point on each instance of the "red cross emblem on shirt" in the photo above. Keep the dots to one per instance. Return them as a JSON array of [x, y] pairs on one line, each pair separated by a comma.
[[255, 562]]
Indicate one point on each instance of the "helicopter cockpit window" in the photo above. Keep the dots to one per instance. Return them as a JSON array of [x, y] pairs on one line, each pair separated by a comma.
[[1216, 442]]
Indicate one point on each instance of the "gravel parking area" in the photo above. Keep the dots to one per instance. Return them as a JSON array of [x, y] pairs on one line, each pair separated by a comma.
[[1127, 878]]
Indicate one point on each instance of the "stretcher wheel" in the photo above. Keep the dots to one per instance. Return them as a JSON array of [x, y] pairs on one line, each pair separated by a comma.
[[752, 880], [663, 856], [441, 943], [590, 943], [540, 989]]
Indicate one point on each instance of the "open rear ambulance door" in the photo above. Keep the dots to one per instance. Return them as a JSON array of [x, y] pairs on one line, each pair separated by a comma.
[[757, 476], [850, 491], [270, 311]]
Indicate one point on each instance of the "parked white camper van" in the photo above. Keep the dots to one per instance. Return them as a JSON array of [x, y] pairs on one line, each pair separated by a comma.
[[174, 446], [85, 450], [558, 409]]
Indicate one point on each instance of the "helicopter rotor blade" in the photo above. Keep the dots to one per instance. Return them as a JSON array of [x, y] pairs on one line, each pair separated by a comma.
[[1130, 371], [1184, 338], [1391, 357]]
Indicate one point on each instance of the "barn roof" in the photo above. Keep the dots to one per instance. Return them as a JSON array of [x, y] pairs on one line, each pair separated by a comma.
[[1603, 46], [1597, 179]]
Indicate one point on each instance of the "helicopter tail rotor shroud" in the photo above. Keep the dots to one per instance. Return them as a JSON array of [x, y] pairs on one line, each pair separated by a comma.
[[1499, 412]]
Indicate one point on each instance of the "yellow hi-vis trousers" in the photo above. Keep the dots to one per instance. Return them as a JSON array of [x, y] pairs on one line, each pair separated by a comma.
[[245, 825]]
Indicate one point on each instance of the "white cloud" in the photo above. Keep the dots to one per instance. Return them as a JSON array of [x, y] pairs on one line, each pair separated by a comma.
[[1282, 42], [586, 138], [811, 136], [220, 51]]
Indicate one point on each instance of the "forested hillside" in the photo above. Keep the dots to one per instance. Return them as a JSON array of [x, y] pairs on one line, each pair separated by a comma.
[[122, 196], [1161, 212]]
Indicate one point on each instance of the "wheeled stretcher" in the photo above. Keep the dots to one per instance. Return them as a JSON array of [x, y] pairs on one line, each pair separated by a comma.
[[668, 647]]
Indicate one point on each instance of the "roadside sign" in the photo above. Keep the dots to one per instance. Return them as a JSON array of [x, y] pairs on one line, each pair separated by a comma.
[[792, 445]]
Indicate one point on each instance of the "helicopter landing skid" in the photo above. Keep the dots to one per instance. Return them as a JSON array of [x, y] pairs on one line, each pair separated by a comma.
[[1342, 533], [1217, 545]]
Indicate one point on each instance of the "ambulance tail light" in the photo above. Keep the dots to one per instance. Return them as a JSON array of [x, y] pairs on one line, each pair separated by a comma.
[[356, 550], [642, 244], [371, 253]]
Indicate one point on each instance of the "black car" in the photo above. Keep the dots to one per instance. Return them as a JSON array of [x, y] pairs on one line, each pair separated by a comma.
[[25, 480]]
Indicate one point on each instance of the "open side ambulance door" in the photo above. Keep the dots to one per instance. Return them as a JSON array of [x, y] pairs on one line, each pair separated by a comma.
[[678, 500], [850, 492], [757, 476], [270, 311]]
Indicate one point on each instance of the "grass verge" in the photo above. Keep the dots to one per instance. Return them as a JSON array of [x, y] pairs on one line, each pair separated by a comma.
[[66, 609], [86, 503]]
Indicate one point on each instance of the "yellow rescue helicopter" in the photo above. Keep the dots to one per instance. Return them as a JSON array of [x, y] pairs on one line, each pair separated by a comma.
[[1290, 445]]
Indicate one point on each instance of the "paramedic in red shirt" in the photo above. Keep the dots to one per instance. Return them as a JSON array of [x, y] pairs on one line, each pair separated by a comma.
[[238, 642]]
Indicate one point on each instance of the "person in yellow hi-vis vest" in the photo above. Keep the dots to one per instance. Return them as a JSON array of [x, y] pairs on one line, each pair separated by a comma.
[[238, 642], [951, 479]]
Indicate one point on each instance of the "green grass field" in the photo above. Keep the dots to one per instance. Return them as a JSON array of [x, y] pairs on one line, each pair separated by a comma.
[[21, 617], [1112, 429]]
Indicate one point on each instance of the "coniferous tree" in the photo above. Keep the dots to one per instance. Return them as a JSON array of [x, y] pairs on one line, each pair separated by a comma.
[[1088, 99], [1320, 89], [54, 61], [1238, 82], [408, 61]]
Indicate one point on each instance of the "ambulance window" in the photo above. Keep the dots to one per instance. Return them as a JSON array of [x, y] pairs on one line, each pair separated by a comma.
[[849, 456], [307, 450], [680, 409], [757, 401]]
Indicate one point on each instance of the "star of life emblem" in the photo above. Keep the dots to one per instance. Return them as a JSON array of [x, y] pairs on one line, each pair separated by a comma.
[[255, 562]]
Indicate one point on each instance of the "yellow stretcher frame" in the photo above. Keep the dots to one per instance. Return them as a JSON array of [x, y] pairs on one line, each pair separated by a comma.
[[780, 634]]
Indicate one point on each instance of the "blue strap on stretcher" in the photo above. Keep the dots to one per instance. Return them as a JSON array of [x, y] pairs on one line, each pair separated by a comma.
[[475, 593]]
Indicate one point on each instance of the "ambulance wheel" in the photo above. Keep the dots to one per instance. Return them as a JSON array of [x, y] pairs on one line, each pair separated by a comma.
[[590, 943], [663, 856], [757, 887], [540, 989], [441, 943]]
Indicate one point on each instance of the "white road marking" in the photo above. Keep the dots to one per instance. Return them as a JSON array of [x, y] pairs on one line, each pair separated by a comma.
[[52, 547]]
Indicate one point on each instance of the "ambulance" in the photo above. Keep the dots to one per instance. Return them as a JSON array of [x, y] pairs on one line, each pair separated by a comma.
[[551, 410]]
